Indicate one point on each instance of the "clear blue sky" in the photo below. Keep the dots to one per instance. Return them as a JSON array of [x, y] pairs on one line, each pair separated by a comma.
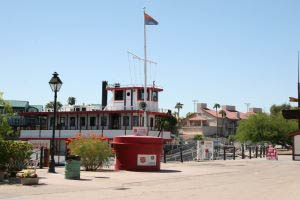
[[215, 51]]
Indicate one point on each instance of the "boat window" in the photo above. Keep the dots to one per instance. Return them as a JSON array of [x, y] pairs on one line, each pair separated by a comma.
[[51, 121], [62, 121], [119, 95], [92, 121], [135, 121], [103, 120], [72, 121], [125, 120], [141, 94], [155, 96], [82, 121], [151, 121]]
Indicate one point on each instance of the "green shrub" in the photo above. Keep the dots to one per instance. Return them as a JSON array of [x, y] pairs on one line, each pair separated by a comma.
[[4, 158], [93, 150], [18, 153], [198, 137]]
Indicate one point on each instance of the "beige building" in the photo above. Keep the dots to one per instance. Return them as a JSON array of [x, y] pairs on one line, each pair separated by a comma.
[[208, 122]]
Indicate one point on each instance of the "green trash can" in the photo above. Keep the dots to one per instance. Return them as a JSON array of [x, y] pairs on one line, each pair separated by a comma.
[[72, 167]]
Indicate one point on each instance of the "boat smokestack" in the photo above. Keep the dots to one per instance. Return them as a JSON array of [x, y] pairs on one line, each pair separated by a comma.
[[104, 94]]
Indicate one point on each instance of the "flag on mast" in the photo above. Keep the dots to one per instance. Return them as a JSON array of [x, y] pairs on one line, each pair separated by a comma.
[[149, 20]]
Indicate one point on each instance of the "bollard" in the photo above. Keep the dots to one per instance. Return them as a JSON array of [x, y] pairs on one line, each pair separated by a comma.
[[260, 152], [256, 151], [250, 152], [243, 152], [41, 157], [224, 150], [233, 153], [181, 158], [165, 156], [46, 158]]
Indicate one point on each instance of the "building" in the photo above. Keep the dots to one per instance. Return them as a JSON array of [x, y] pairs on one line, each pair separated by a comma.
[[21, 106], [208, 122]]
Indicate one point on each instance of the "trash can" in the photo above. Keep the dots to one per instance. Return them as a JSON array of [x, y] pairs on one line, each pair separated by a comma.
[[72, 167], [138, 153]]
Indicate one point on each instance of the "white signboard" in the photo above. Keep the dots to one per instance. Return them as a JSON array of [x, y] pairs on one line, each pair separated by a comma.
[[205, 150], [146, 160], [139, 131], [40, 143]]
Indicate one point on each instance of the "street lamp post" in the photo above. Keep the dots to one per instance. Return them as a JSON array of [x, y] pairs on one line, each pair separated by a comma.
[[55, 84]]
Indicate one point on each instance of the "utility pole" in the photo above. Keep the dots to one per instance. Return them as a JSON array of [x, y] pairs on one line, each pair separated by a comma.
[[195, 102], [247, 104]]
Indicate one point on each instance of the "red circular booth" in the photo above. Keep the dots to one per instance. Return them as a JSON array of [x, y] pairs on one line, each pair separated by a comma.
[[138, 153]]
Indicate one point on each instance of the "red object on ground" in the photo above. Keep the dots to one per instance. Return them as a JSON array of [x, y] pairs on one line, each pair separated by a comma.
[[138, 153]]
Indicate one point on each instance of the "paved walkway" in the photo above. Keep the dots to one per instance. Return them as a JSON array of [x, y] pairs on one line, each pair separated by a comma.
[[256, 179]]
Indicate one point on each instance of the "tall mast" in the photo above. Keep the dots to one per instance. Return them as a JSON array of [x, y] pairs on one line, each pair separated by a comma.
[[145, 74]]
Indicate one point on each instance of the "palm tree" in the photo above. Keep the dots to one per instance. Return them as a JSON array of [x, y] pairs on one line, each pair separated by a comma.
[[178, 106], [50, 105], [223, 114], [216, 106], [71, 101]]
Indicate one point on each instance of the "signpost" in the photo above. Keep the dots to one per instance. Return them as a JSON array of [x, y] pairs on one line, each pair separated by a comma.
[[271, 153], [205, 150]]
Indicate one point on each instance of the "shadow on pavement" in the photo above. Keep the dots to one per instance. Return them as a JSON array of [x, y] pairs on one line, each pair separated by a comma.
[[101, 177]]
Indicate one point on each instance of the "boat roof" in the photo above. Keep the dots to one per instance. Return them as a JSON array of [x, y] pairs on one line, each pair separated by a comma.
[[125, 87]]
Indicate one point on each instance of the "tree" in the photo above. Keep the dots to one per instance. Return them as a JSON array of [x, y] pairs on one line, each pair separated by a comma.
[[188, 114], [262, 127], [276, 109], [223, 114], [216, 106], [71, 101], [178, 106], [50, 105], [5, 129], [167, 123]]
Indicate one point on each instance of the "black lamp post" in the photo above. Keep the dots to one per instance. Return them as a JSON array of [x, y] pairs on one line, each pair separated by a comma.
[[55, 84]]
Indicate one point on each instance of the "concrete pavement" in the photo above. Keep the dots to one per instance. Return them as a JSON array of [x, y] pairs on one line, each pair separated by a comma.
[[257, 179]]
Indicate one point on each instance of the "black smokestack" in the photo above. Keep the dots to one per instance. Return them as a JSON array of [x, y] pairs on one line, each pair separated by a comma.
[[104, 94]]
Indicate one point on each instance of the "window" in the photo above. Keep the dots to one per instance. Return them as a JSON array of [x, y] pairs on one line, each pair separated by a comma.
[[51, 121], [141, 94], [155, 96], [77, 109], [103, 120], [135, 121], [82, 121], [83, 109], [62, 121], [125, 120], [151, 121], [92, 121], [72, 121], [119, 95]]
